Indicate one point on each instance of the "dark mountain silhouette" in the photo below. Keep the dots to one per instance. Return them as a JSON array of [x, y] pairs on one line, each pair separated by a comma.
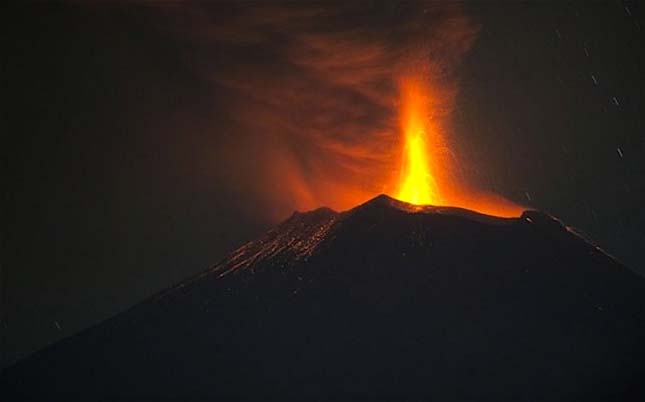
[[386, 300]]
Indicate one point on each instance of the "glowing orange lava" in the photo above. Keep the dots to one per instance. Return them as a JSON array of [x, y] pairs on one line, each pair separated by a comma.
[[426, 176], [417, 183]]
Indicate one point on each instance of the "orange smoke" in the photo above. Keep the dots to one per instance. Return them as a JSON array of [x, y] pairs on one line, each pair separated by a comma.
[[318, 110], [427, 177]]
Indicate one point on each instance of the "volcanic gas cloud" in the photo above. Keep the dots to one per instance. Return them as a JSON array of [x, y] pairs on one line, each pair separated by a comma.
[[330, 105]]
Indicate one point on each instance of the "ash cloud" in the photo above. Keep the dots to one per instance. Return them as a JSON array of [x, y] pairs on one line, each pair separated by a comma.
[[311, 91]]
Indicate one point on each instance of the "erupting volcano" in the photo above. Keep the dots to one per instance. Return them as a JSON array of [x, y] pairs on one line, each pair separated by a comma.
[[333, 188], [443, 293]]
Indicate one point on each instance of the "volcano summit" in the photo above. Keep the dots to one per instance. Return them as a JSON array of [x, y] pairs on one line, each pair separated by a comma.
[[386, 300]]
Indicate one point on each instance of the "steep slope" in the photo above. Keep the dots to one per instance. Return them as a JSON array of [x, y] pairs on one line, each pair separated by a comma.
[[387, 300]]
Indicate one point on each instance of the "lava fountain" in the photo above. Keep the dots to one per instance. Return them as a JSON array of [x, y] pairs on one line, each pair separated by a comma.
[[417, 183], [427, 173]]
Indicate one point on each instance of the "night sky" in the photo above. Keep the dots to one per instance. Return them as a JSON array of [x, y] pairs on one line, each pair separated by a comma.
[[144, 142]]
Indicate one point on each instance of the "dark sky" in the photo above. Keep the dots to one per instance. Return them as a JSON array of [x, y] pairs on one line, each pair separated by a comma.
[[146, 141]]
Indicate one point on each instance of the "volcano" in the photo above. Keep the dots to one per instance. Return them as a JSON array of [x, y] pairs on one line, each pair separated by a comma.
[[386, 300]]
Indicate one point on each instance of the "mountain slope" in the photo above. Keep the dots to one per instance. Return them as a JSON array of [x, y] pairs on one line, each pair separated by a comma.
[[387, 300]]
